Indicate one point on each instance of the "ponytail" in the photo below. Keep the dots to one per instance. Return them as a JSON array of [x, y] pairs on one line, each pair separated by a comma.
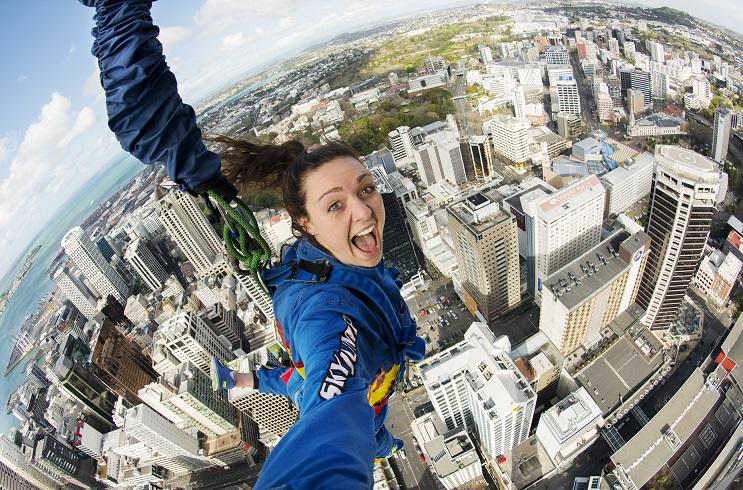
[[250, 166]]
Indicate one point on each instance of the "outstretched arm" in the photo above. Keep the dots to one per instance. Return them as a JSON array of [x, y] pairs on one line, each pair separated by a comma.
[[145, 111]]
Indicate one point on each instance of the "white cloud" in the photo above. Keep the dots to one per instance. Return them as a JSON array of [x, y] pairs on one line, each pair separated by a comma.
[[21, 77], [71, 49], [219, 15], [5, 144], [172, 36], [286, 22], [36, 167], [92, 86], [234, 41]]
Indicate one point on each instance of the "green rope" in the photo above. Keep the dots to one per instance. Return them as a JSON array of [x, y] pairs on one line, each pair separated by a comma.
[[248, 247]]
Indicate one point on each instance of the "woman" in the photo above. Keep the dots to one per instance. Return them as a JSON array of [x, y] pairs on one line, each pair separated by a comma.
[[339, 311]]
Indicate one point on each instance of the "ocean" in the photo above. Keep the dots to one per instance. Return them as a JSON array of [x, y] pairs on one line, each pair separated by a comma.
[[37, 283]]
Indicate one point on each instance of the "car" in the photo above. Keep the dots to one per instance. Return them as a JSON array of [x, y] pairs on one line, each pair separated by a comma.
[[402, 454]]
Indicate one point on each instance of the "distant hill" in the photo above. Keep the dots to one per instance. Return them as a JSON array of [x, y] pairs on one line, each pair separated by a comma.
[[671, 16]]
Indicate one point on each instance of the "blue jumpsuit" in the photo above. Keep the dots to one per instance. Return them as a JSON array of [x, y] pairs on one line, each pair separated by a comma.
[[349, 333]]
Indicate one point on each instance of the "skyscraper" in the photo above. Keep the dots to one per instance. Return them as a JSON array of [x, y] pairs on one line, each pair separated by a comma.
[[488, 256], [481, 157], [721, 134], [72, 286], [583, 297], [475, 384], [119, 363], [486, 55], [518, 100], [193, 234], [568, 98], [510, 137], [402, 145], [439, 158], [145, 263], [683, 200], [93, 265], [564, 225]]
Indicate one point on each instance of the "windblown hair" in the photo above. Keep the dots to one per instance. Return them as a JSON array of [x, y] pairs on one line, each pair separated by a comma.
[[250, 166]]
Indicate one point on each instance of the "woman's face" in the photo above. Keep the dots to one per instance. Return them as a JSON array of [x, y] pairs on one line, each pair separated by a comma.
[[345, 213]]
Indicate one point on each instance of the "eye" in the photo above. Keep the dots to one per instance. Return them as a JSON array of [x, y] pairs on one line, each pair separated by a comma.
[[368, 190], [334, 206]]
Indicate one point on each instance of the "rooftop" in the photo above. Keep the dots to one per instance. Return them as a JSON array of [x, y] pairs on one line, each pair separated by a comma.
[[588, 274], [451, 452], [660, 119], [570, 415], [561, 202], [617, 372], [683, 156]]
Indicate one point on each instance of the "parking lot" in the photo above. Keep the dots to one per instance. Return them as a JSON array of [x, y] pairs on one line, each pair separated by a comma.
[[440, 323]]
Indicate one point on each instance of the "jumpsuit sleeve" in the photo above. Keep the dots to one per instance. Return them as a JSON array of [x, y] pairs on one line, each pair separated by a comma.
[[333, 444], [272, 380], [144, 109]]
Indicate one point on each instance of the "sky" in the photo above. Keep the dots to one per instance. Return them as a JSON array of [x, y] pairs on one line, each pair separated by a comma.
[[53, 133]]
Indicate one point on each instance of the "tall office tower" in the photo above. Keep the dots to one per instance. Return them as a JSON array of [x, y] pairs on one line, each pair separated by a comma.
[[72, 286], [145, 263], [614, 46], [226, 322], [398, 242], [36, 376], [580, 47], [721, 134], [557, 55], [381, 158], [186, 337], [93, 265], [62, 462], [487, 252], [184, 395], [481, 157], [569, 125], [105, 247], [583, 297], [641, 80], [660, 85], [191, 231], [510, 137], [402, 145], [628, 184], [657, 51], [69, 374], [439, 158], [13, 457], [518, 100], [629, 49], [615, 89], [261, 299], [604, 103], [476, 384], [635, 101], [684, 196], [568, 98], [176, 450], [119, 363], [486, 55], [564, 226]]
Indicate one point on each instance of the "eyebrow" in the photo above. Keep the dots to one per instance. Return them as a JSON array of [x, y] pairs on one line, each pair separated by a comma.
[[336, 189]]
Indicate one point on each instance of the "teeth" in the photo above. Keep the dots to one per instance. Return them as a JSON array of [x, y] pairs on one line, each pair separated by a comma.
[[365, 231]]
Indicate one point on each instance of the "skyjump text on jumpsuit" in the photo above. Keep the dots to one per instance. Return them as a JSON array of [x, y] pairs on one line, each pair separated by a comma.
[[349, 334]]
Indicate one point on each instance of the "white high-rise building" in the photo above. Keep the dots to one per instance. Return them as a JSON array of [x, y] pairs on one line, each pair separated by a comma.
[[439, 158], [193, 233], [91, 263], [565, 225], [604, 103], [687, 188], [186, 337], [660, 85], [721, 134], [145, 263], [557, 55], [175, 449], [568, 98], [584, 296], [402, 145], [657, 51], [486, 55], [518, 100], [628, 184], [74, 289], [475, 384], [510, 137]]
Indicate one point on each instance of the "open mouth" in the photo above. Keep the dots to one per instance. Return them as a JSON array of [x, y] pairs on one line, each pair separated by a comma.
[[367, 241]]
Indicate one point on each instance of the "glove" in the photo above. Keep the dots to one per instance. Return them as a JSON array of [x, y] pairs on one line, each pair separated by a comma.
[[220, 185]]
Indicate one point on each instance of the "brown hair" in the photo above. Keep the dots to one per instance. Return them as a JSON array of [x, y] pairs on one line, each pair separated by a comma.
[[250, 166]]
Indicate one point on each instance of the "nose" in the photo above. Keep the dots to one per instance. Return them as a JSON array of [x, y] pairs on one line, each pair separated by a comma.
[[360, 210]]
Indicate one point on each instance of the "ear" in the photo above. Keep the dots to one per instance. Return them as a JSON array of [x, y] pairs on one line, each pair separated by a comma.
[[306, 226]]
